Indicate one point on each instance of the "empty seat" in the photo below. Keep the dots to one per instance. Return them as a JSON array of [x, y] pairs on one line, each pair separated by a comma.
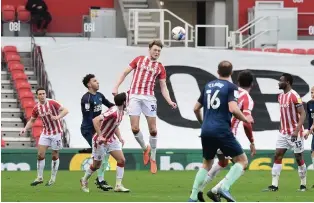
[[15, 66], [37, 129], [8, 13], [256, 49], [19, 76], [285, 50], [12, 57], [270, 50], [9, 49], [8, 16], [23, 85], [2, 143], [299, 51], [310, 51], [24, 17], [25, 94], [28, 103]]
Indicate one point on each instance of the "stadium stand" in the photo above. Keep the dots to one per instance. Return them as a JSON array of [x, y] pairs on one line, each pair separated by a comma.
[[18, 84]]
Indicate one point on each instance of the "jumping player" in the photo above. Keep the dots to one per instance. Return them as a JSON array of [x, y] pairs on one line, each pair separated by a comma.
[[219, 99], [51, 113], [91, 107], [104, 141], [292, 116], [310, 114], [246, 104], [142, 99]]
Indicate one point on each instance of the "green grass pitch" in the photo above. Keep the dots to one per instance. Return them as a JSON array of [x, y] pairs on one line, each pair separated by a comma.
[[165, 186]]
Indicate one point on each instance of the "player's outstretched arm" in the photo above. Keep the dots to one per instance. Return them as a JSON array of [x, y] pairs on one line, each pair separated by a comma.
[[234, 109], [121, 79], [97, 122], [165, 93], [197, 111], [29, 124]]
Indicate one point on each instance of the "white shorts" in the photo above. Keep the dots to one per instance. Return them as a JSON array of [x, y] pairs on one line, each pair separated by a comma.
[[285, 142], [53, 141], [99, 151], [142, 104]]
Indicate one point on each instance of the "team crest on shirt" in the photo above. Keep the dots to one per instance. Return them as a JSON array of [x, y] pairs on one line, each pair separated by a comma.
[[87, 106], [100, 99]]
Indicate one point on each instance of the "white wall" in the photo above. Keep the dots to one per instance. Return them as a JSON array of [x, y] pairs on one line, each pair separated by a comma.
[[68, 61]]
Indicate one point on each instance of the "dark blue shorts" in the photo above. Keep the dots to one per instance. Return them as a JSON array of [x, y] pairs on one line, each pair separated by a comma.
[[227, 144], [88, 134]]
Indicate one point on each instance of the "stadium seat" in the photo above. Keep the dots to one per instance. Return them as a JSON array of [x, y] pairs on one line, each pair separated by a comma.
[[37, 130], [310, 52], [299, 51], [28, 103], [8, 16], [256, 49], [25, 94], [285, 50], [12, 57], [24, 17], [19, 76], [270, 50], [9, 49], [23, 85], [2, 143], [242, 49], [13, 66]]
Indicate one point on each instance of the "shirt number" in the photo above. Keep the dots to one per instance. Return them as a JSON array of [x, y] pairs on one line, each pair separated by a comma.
[[212, 100]]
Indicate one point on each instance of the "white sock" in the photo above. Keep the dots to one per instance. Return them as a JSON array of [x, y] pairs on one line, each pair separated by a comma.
[[88, 173], [54, 168], [216, 188], [40, 168], [140, 139], [275, 172], [153, 144], [302, 174], [119, 175], [211, 175]]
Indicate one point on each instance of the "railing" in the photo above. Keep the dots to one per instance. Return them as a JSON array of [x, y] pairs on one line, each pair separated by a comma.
[[250, 25], [134, 24], [43, 81]]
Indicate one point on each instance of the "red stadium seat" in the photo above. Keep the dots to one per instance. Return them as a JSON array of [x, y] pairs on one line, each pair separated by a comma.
[[28, 103], [8, 13], [28, 113], [257, 49], [299, 51], [23, 85], [285, 50], [270, 50], [10, 53], [242, 49], [310, 52], [25, 94], [2, 143], [37, 129], [19, 76], [9, 49], [23, 15], [12, 57], [13, 66]]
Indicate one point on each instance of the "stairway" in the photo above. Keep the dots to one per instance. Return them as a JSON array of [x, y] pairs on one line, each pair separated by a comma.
[[12, 116], [146, 34]]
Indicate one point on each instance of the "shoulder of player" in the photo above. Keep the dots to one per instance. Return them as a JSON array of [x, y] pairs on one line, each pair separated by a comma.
[[85, 96], [294, 93]]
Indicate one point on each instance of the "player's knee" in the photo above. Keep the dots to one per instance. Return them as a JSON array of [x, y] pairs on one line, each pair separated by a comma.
[[153, 132], [121, 162], [278, 158], [135, 129], [40, 156]]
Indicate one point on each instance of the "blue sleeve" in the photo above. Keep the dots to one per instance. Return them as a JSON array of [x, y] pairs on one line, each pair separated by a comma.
[[85, 106], [106, 102], [308, 112], [201, 98], [233, 93]]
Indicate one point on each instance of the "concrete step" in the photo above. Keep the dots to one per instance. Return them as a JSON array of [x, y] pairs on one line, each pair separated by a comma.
[[148, 35], [12, 122], [134, 6], [25, 54], [11, 132], [19, 145], [11, 113], [32, 82], [5, 75], [10, 94], [17, 139], [8, 85]]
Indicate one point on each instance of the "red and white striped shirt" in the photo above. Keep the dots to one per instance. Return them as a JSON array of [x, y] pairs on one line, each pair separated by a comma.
[[246, 105], [45, 111], [145, 73], [289, 116], [111, 120]]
